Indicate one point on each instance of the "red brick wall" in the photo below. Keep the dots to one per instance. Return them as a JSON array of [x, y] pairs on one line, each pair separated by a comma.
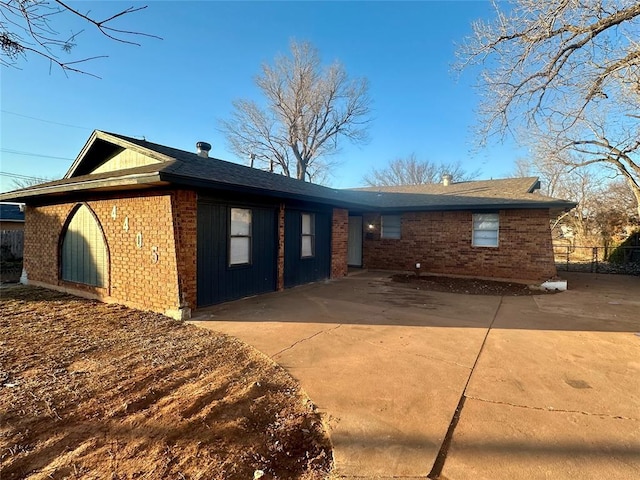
[[441, 243], [339, 237], [184, 206], [134, 278], [41, 240]]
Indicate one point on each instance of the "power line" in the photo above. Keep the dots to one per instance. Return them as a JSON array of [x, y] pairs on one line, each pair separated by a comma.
[[46, 121], [31, 154]]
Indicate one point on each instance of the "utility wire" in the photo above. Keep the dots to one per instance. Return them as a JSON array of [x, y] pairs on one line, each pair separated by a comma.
[[45, 121], [31, 154]]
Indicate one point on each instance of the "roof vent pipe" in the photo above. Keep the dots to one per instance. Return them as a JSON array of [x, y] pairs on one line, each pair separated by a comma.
[[203, 149], [447, 179]]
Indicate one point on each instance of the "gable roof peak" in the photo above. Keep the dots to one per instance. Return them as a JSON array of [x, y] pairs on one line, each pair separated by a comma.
[[100, 145]]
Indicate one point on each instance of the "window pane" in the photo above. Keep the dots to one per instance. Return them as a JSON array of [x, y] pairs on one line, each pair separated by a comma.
[[479, 217], [390, 226], [307, 224], [490, 234], [239, 250], [485, 229], [485, 242], [307, 246], [486, 225], [240, 221], [485, 221]]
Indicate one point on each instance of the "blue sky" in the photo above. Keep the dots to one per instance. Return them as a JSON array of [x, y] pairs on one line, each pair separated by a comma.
[[174, 91]]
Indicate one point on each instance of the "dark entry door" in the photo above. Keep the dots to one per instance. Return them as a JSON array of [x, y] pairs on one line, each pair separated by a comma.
[[307, 246], [233, 265]]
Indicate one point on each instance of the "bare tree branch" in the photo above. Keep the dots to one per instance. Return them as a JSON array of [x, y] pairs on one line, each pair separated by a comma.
[[26, 29], [605, 206], [565, 74], [30, 182], [309, 110], [411, 171]]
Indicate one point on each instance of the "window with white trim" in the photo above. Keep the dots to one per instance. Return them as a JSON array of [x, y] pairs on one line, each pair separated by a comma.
[[240, 237], [308, 248], [390, 226], [485, 229]]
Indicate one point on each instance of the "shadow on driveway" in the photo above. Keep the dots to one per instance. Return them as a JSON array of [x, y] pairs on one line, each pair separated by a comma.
[[387, 365]]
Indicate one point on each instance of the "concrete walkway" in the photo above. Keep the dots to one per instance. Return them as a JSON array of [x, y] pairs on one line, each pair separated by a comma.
[[554, 393]]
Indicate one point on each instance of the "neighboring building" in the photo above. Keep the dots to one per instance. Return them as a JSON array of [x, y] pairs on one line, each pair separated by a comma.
[[11, 232], [158, 228], [11, 216]]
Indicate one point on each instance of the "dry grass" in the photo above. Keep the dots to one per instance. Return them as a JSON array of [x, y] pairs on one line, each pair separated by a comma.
[[97, 391]]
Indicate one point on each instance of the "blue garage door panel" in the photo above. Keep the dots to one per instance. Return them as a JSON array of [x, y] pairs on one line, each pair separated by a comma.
[[217, 280], [299, 270]]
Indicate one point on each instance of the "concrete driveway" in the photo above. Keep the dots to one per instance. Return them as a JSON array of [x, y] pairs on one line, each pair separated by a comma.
[[549, 386]]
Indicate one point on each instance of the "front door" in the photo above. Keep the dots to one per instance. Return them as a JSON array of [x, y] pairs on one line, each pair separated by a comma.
[[307, 246], [354, 243]]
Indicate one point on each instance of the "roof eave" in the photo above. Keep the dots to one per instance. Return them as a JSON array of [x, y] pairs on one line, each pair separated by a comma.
[[108, 184]]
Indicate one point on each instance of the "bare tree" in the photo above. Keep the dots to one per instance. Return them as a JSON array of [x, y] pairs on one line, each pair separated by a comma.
[[411, 171], [604, 207], [24, 181], [27, 29], [309, 109], [616, 218], [556, 178], [565, 74]]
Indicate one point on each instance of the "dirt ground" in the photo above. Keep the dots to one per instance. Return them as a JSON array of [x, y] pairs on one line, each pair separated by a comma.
[[468, 286], [96, 391]]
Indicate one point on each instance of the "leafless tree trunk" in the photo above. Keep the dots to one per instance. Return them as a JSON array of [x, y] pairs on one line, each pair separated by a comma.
[[564, 74], [411, 171], [27, 29], [309, 108]]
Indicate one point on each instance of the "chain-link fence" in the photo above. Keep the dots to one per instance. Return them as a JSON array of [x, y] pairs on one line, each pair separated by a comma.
[[624, 259]]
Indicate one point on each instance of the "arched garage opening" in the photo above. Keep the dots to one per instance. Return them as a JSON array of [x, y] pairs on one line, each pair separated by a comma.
[[83, 252]]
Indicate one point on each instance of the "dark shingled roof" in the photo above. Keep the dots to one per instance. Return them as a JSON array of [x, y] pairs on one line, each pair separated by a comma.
[[10, 212], [179, 167], [511, 187]]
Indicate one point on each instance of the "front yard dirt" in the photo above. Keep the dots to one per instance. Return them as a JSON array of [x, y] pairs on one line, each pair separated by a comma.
[[96, 391], [468, 286]]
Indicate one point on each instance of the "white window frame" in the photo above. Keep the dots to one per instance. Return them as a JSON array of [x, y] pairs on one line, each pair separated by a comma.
[[483, 229], [393, 229], [309, 236], [240, 235]]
